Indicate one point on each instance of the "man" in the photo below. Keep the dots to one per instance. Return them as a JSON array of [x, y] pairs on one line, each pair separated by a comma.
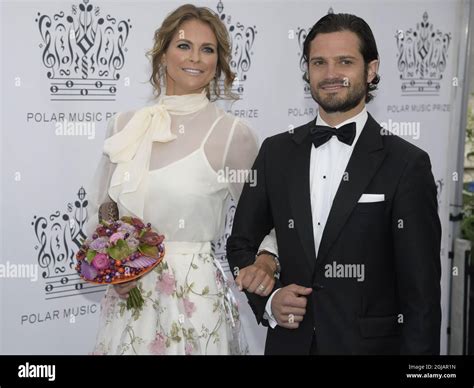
[[355, 215]]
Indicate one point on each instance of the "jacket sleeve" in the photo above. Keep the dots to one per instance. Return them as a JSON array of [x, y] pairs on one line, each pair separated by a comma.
[[252, 222], [417, 238]]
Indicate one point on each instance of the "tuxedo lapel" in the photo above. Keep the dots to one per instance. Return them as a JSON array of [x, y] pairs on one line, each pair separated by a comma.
[[299, 191], [365, 160]]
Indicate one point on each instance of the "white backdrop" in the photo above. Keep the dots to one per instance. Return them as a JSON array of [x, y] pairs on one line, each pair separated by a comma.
[[45, 172]]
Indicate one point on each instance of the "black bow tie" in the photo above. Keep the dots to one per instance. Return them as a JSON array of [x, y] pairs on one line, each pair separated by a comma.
[[321, 134]]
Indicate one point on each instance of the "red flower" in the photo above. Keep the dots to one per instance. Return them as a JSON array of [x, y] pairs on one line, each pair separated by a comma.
[[151, 238], [137, 223], [102, 231]]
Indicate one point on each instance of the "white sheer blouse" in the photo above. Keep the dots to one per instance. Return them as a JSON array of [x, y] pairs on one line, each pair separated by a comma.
[[190, 177]]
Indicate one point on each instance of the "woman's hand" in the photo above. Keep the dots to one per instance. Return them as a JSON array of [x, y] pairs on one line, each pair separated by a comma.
[[258, 278], [123, 289]]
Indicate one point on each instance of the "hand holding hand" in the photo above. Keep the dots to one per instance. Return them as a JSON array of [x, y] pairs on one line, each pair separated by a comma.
[[258, 278]]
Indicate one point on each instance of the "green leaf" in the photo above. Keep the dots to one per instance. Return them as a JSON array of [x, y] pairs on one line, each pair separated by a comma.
[[126, 219], [148, 250], [90, 255], [205, 291], [120, 251]]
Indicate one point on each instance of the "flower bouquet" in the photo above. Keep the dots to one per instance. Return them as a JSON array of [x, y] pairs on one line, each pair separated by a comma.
[[120, 251]]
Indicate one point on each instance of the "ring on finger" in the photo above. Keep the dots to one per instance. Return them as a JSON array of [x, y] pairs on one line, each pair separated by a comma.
[[261, 287], [291, 318]]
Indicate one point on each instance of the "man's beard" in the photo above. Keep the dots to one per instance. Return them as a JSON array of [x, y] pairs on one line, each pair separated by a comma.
[[332, 103]]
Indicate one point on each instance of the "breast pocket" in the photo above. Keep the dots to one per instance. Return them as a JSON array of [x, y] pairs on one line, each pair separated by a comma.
[[370, 207], [367, 218]]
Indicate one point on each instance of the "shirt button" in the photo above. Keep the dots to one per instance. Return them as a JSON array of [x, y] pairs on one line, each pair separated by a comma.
[[324, 176]]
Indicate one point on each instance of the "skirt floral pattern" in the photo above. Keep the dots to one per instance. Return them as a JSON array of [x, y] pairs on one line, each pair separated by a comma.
[[189, 309]]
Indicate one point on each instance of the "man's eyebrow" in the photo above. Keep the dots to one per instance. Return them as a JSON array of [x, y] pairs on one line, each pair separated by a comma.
[[338, 57], [346, 57]]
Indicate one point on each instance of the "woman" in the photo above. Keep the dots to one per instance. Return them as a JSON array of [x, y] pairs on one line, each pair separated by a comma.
[[165, 164]]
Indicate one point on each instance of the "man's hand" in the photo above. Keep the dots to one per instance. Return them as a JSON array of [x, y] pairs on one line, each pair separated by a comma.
[[123, 289], [258, 278], [289, 305]]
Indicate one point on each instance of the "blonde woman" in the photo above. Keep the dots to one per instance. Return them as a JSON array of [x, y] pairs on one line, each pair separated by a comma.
[[162, 164]]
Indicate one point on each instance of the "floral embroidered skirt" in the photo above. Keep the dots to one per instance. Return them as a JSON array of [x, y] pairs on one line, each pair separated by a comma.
[[189, 309]]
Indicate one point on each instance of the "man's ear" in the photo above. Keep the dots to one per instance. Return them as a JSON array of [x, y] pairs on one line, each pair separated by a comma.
[[372, 70]]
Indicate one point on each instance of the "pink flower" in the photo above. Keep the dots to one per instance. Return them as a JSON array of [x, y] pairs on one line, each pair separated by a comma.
[[133, 243], [98, 244], [126, 228], [166, 284], [189, 307], [158, 345], [88, 271], [100, 261], [189, 348], [116, 236]]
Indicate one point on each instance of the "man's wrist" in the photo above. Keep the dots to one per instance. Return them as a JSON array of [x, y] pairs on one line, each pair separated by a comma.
[[273, 262], [268, 315]]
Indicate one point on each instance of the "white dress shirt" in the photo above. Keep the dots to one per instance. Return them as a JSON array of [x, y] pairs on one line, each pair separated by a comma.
[[327, 166]]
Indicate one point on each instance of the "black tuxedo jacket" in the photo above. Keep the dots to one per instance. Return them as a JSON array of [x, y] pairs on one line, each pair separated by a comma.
[[396, 308]]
